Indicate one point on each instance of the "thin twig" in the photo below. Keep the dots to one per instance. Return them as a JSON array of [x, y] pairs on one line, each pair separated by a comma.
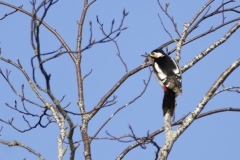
[[223, 17], [87, 74], [227, 89], [7, 14], [46, 25], [144, 89], [179, 122], [171, 18], [165, 27]]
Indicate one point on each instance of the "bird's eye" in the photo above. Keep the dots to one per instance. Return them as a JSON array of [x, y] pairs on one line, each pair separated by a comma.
[[152, 53]]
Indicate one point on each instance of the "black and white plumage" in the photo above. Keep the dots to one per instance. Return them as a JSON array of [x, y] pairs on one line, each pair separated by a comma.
[[169, 75]]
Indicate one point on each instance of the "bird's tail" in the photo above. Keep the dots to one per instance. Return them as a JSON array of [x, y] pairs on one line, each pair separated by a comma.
[[169, 101]]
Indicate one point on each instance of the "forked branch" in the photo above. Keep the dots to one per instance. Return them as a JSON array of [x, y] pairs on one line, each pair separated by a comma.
[[188, 121]]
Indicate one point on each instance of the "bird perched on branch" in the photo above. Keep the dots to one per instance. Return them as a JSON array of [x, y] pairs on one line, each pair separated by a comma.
[[169, 75]]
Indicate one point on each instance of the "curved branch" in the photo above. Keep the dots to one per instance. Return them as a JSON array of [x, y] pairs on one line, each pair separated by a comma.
[[8, 14], [17, 143], [210, 15], [116, 86], [45, 24], [26, 76], [188, 121], [206, 33], [18, 94], [200, 12], [133, 100], [171, 18], [39, 123], [151, 136], [210, 48], [228, 89]]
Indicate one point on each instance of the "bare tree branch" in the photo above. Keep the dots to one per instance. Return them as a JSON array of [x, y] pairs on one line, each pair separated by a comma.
[[171, 18], [227, 89], [80, 26], [158, 149], [87, 74], [8, 14], [210, 15], [206, 33], [210, 48], [145, 87], [165, 27], [115, 33], [173, 135], [152, 135], [116, 86], [26, 76], [115, 42], [85, 119], [58, 114], [60, 121], [17, 143], [18, 94], [39, 123], [45, 24], [200, 12]]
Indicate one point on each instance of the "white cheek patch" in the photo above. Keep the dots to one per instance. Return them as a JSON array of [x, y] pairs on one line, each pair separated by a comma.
[[157, 55]]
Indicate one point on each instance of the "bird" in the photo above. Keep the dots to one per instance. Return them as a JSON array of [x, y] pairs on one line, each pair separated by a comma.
[[169, 76]]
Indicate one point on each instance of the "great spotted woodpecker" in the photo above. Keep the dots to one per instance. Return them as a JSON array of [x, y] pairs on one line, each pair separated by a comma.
[[169, 75]]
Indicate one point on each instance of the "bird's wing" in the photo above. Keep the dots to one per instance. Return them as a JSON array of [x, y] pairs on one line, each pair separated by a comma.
[[178, 73], [162, 76], [177, 69]]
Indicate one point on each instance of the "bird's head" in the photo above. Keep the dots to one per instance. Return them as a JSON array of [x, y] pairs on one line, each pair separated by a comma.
[[157, 53]]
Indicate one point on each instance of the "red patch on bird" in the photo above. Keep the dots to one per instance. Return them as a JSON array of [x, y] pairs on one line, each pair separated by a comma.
[[164, 88]]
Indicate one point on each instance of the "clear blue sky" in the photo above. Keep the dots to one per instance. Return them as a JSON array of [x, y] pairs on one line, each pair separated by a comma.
[[212, 137]]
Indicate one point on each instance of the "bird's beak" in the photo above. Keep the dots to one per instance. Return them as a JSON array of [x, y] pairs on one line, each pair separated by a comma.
[[145, 55]]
